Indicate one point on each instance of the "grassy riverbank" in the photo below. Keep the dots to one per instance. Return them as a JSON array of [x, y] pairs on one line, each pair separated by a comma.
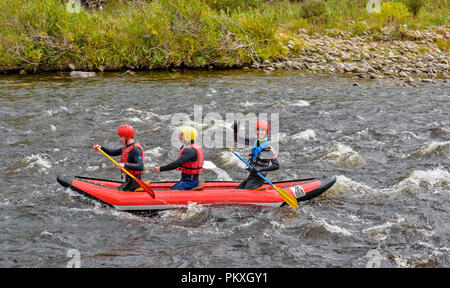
[[41, 35]]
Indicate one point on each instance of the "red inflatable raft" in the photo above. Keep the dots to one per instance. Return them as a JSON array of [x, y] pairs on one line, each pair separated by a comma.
[[212, 193]]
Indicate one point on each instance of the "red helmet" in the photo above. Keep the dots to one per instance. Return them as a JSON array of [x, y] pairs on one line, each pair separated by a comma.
[[262, 124], [126, 131]]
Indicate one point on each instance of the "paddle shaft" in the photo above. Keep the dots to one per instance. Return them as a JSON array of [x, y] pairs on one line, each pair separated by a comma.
[[251, 167], [285, 195], [141, 183]]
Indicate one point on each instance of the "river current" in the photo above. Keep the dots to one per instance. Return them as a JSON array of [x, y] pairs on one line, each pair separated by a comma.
[[388, 146]]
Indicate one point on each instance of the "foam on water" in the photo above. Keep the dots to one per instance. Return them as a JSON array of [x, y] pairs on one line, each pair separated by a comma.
[[148, 115], [247, 104], [277, 224], [343, 155], [228, 158], [5, 203], [408, 135], [216, 134], [250, 223], [217, 124], [415, 261], [92, 168], [46, 233], [434, 148], [53, 112], [135, 120], [436, 180], [381, 232], [221, 174], [211, 92], [156, 152], [96, 208], [301, 103], [322, 223], [308, 134], [40, 159], [193, 213], [150, 155], [347, 185]]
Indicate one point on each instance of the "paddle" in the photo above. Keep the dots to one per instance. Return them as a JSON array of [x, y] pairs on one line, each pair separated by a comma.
[[140, 182], [288, 198]]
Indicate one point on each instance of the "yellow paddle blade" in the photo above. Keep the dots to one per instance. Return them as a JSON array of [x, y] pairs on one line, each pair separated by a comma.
[[145, 187], [288, 198], [140, 189]]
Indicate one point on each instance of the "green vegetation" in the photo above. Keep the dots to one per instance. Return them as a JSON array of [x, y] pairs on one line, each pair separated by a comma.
[[161, 34], [352, 15], [414, 6]]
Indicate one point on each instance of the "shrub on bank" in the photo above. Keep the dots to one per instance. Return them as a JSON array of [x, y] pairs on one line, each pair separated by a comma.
[[392, 13], [143, 34]]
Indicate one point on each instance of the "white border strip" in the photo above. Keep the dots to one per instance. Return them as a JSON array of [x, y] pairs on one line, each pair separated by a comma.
[[164, 207]]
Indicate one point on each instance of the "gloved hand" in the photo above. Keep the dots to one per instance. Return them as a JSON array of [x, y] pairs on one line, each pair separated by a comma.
[[96, 147], [256, 169]]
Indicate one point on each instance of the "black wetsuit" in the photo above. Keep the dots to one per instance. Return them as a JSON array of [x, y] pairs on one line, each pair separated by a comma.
[[135, 162]]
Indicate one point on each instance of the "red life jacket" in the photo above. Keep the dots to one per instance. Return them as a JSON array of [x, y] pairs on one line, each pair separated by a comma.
[[192, 167], [124, 157]]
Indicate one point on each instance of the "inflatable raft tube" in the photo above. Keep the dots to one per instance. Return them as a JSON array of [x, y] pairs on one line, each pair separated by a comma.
[[214, 192]]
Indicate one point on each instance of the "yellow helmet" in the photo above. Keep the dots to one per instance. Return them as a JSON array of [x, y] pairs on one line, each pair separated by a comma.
[[190, 133]]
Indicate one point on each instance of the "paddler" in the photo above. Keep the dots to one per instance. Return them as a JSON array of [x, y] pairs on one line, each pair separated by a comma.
[[131, 156], [262, 156], [190, 160]]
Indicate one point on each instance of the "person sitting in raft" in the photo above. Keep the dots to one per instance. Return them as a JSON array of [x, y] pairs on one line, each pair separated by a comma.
[[262, 156], [131, 157], [190, 160]]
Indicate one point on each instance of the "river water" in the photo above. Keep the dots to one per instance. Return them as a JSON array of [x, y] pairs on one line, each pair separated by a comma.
[[388, 146]]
